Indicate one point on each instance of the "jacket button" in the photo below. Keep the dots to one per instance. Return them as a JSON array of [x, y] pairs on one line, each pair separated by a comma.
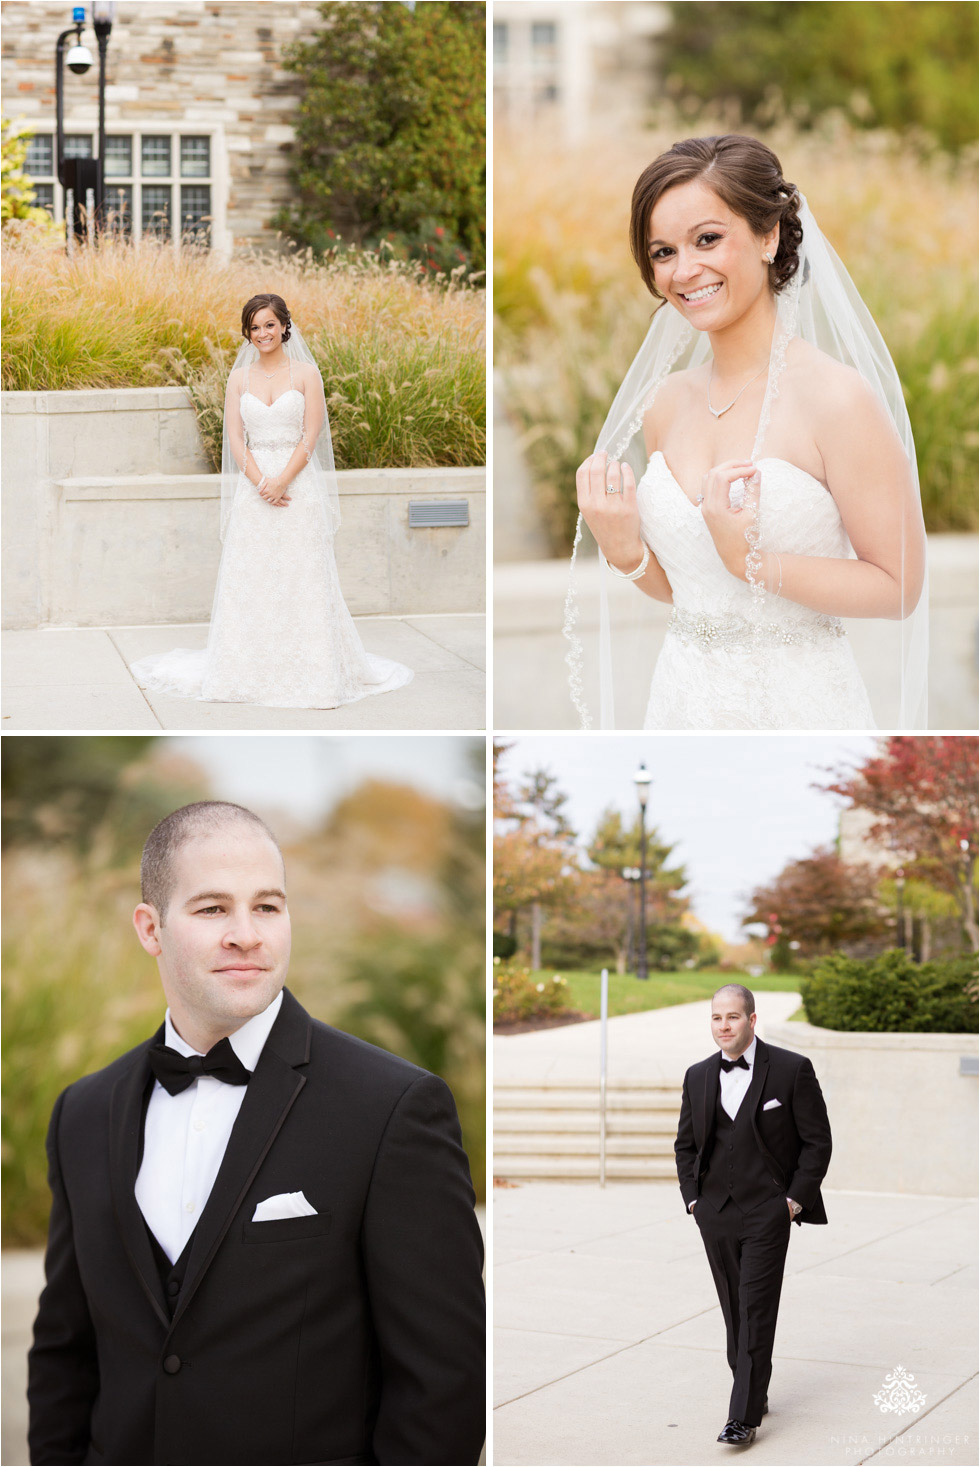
[[173, 1287], [172, 1364]]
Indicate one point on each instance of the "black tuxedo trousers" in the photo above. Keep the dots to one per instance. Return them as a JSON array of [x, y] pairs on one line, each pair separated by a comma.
[[738, 1174], [355, 1335]]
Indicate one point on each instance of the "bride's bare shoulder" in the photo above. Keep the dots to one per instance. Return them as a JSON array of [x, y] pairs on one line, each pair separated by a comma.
[[825, 380], [674, 393]]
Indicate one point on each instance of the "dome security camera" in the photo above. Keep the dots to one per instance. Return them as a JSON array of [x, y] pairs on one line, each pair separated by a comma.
[[79, 59]]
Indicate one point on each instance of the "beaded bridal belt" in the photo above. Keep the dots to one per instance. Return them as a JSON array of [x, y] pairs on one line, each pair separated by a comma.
[[737, 631]]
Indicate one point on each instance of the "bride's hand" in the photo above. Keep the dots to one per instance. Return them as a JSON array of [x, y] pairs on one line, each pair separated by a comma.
[[275, 493], [727, 525], [606, 491]]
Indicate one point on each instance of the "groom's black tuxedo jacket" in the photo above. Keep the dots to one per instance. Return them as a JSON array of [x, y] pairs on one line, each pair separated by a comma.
[[793, 1136], [356, 1335]]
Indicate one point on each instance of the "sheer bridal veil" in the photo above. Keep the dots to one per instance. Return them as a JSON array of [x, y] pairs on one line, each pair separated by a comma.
[[821, 306]]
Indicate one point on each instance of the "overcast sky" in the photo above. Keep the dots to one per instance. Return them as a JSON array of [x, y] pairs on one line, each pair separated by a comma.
[[307, 775], [736, 807]]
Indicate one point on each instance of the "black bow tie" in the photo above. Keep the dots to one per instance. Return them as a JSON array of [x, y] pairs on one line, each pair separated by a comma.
[[740, 1064], [176, 1071]]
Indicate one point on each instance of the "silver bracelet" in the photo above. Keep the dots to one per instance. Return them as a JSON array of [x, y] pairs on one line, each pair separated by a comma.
[[632, 575]]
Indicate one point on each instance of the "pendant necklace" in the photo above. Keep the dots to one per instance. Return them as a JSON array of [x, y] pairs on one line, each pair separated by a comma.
[[720, 412]]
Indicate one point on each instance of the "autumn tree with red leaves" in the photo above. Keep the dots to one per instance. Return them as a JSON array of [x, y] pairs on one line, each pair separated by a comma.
[[923, 792], [821, 902]]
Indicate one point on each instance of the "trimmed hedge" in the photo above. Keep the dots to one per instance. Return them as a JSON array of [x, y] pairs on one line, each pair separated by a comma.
[[891, 994]]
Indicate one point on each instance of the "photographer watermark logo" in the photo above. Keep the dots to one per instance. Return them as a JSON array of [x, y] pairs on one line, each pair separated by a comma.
[[900, 1394]]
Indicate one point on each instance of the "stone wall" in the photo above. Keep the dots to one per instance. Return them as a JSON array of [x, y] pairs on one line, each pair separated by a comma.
[[184, 63], [111, 511], [902, 1112]]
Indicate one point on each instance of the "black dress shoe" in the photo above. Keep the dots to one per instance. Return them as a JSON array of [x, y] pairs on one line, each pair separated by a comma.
[[737, 1434]]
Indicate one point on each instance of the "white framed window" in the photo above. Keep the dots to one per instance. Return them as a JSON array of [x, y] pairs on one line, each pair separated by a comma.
[[160, 181]]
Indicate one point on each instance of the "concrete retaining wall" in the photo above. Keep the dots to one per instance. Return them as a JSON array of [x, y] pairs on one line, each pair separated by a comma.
[[904, 1117], [110, 518]]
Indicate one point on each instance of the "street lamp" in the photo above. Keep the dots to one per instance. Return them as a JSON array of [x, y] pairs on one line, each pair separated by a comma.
[[630, 874], [642, 779], [103, 14], [76, 175], [900, 906]]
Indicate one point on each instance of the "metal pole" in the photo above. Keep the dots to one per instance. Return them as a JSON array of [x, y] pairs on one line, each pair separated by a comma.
[[103, 40], [641, 965], [603, 1022]]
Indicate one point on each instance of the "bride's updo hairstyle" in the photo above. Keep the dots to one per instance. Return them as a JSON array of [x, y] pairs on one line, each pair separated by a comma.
[[745, 174], [258, 303]]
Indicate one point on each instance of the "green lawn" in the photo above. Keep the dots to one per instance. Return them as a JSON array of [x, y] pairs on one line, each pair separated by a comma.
[[628, 995]]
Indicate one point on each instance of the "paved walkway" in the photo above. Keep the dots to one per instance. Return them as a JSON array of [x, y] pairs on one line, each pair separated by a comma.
[[657, 1045], [78, 678], [609, 1345]]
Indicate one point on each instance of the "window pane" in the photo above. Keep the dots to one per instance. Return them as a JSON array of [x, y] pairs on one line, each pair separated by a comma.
[[156, 209], [44, 196], [119, 208], [156, 157], [40, 155], [195, 212], [195, 157], [544, 34], [500, 41], [118, 157], [78, 145]]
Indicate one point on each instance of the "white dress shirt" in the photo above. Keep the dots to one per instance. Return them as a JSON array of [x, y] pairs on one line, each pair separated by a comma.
[[185, 1137], [735, 1083]]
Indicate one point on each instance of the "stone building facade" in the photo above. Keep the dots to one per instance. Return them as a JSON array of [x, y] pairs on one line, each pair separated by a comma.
[[198, 109], [575, 61]]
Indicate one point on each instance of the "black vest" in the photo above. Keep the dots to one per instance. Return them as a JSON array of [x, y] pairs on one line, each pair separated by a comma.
[[737, 1171], [171, 1274]]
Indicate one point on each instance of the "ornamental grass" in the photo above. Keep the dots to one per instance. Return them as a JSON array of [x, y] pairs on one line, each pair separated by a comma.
[[402, 357], [571, 311]]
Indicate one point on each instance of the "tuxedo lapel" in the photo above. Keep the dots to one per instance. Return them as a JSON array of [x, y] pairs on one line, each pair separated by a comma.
[[125, 1127], [271, 1094], [759, 1072], [710, 1113]]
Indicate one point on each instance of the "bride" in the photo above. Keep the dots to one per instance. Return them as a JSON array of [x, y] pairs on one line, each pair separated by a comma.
[[772, 491], [280, 635]]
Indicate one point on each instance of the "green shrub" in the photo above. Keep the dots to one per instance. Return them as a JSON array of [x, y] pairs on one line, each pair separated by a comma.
[[892, 994], [519, 994], [504, 946]]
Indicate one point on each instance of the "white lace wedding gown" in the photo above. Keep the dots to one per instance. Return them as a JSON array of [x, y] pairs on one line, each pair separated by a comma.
[[281, 635], [730, 661]]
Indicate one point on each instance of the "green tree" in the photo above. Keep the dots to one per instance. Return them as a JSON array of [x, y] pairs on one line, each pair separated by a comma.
[[16, 189], [887, 63], [97, 794], [391, 131]]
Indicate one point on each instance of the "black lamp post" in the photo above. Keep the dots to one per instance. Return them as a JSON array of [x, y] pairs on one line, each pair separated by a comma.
[[642, 779], [76, 175], [103, 13], [629, 875], [900, 906]]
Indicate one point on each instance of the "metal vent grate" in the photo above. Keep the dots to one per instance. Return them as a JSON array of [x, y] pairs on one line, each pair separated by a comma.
[[969, 1064], [435, 513]]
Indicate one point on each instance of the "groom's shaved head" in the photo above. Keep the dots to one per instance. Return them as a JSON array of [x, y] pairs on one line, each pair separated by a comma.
[[158, 865], [743, 994]]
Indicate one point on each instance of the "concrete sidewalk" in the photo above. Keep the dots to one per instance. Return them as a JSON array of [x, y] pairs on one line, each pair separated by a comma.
[[656, 1046], [609, 1345], [78, 678]]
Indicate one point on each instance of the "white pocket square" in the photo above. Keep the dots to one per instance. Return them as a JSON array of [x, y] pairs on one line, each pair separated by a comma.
[[285, 1204], [771, 1104]]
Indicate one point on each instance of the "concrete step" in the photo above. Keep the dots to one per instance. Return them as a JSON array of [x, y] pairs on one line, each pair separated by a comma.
[[538, 1144], [553, 1122], [540, 1097], [584, 1168]]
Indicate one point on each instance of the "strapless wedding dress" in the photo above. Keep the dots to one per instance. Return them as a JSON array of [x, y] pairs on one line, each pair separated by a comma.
[[281, 635], [727, 661]]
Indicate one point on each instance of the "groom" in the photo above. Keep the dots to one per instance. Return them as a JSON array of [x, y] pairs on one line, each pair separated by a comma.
[[262, 1245], [753, 1145]]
